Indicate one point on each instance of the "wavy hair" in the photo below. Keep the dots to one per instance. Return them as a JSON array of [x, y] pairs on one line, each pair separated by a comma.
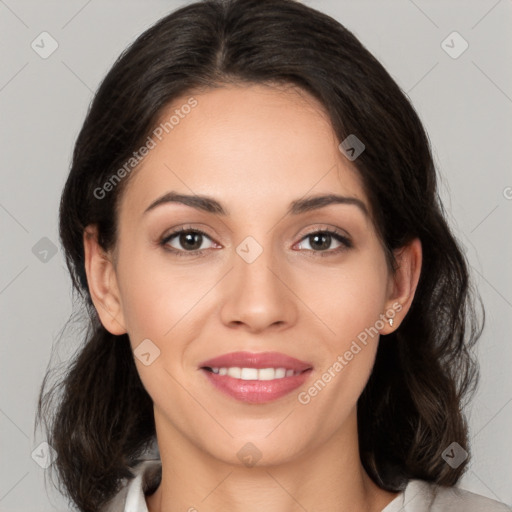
[[97, 415]]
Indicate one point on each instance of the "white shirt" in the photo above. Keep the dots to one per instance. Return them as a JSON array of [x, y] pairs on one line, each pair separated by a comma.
[[418, 496]]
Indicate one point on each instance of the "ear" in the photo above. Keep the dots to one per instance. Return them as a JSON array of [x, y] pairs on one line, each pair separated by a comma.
[[402, 285], [102, 281]]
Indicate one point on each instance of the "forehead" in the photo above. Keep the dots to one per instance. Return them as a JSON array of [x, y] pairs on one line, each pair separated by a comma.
[[251, 146]]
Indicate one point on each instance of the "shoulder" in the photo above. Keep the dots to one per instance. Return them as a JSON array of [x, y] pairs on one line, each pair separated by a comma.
[[422, 496]]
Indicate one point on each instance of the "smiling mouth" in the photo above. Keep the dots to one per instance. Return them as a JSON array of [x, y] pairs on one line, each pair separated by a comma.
[[256, 385]]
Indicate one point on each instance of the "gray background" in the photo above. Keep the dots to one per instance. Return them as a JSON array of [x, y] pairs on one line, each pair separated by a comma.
[[465, 104]]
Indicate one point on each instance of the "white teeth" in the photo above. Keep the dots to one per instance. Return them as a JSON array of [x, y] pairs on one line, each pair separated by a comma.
[[280, 373], [255, 373], [248, 373], [266, 374], [234, 372]]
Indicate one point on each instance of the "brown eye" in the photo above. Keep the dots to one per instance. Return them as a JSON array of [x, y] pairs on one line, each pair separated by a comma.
[[183, 241], [190, 241], [321, 242]]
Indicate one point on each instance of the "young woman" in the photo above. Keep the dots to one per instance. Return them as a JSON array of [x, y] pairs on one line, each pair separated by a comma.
[[276, 301]]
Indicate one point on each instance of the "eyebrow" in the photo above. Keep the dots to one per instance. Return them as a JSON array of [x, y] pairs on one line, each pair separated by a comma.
[[210, 205]]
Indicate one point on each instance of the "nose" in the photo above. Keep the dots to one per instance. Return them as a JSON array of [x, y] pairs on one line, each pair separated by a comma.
[[257, 295]]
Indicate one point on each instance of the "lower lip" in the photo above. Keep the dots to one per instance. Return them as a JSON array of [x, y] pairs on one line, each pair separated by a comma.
[[256, 391]]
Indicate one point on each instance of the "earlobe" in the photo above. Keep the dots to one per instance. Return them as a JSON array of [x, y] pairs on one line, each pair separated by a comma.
[[403, 283], [102, 282]]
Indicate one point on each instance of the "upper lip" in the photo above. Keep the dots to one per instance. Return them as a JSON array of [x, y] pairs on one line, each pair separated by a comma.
[[256, 360]]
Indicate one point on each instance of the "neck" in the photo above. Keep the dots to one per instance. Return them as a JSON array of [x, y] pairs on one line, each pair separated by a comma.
[[328, 477]]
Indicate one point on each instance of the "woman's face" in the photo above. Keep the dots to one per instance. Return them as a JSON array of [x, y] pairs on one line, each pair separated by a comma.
[[263, 282]]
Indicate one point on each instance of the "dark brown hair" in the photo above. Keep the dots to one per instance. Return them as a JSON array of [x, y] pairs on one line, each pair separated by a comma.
[[98, 416]]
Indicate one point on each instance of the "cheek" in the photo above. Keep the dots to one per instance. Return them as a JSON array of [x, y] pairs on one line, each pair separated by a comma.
[[157, 295], [348, 299], [356, 299]]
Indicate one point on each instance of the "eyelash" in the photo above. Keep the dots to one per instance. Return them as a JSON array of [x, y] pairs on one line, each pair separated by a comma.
[[346, 242]]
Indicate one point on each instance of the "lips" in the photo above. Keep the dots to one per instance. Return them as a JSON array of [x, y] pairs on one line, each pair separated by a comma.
[[257, 360], [256, 391]]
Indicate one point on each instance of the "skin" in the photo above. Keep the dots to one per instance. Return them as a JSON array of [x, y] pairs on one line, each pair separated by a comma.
[[254, 149]]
